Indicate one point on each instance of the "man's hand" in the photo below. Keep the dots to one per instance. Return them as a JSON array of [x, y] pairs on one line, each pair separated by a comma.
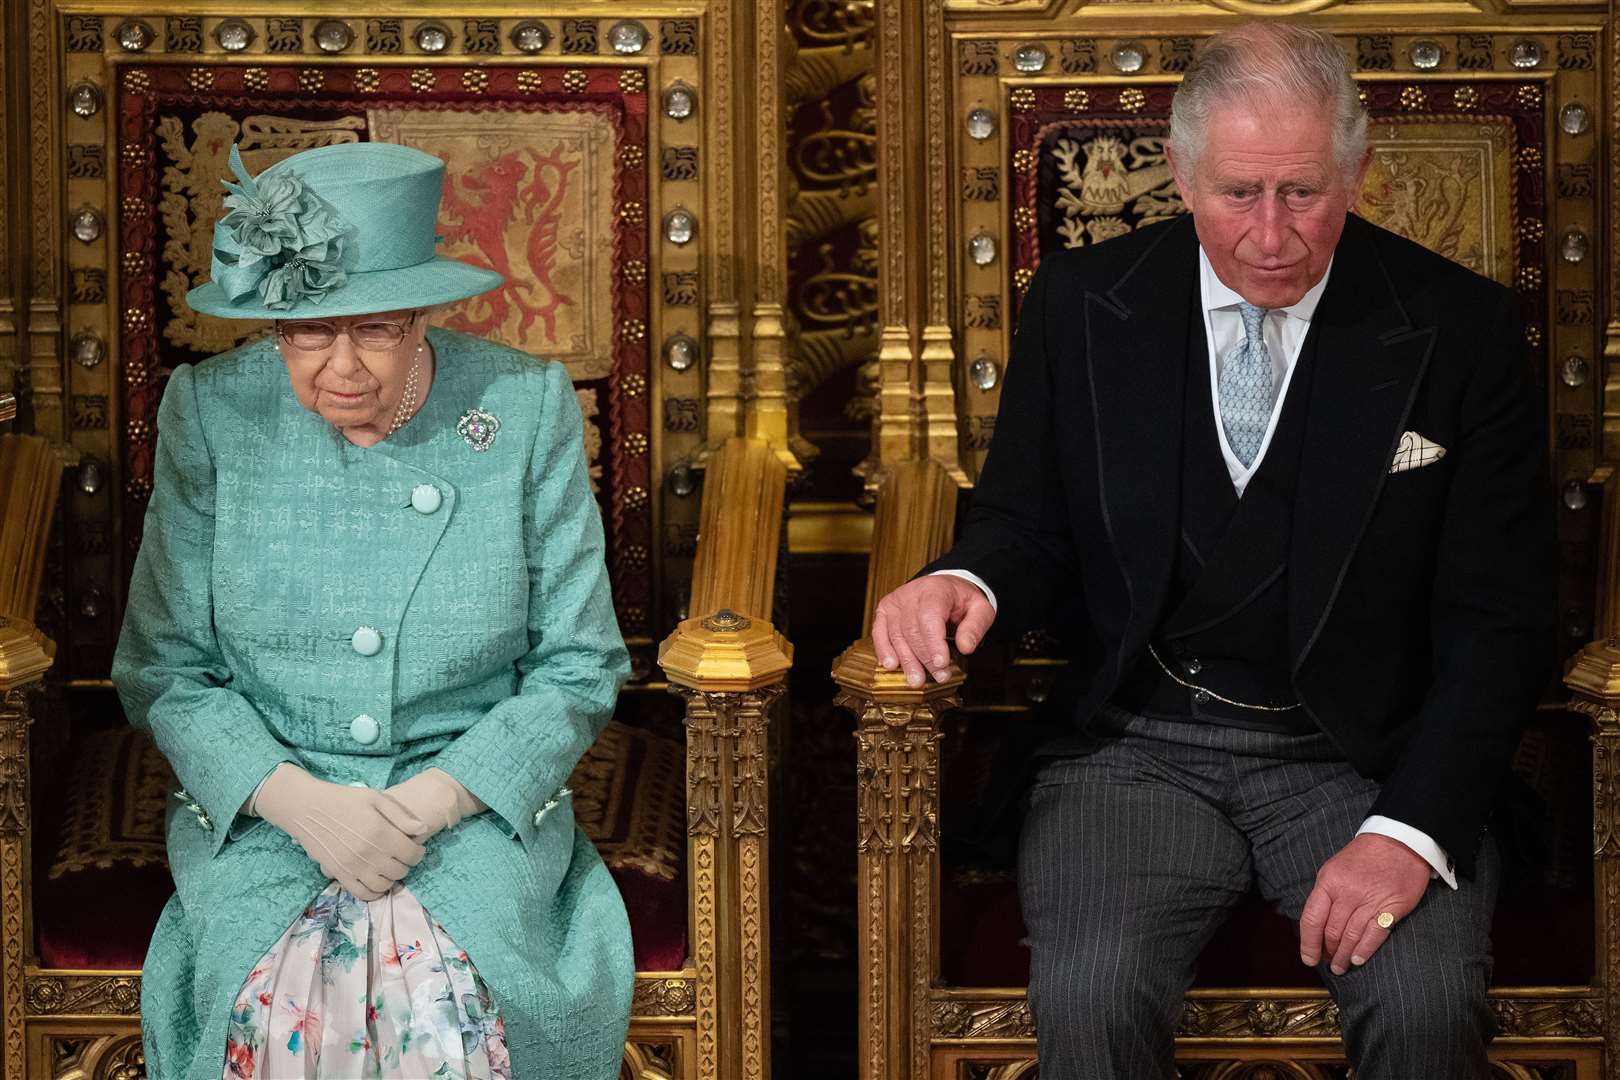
[[1370, 875], [908, 629]]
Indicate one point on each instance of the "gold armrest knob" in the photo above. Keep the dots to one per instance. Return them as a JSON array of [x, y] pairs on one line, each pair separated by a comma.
[[8, 407]]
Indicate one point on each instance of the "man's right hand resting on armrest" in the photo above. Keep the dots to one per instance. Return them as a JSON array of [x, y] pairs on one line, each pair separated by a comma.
[[909, 627]]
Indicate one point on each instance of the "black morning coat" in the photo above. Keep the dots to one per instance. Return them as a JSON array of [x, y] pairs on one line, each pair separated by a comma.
[[1420, 604]]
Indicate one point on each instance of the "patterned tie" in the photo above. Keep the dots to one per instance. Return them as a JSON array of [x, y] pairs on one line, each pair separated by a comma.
[[1245, 387]]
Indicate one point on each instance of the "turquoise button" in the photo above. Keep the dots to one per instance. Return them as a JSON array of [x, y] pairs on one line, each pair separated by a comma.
[[364, 730], [366, 641], [425, 498]]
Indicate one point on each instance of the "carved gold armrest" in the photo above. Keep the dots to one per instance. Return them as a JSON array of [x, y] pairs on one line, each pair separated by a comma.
[[730, 665], [25, 653], [897, 784], [1593, 677]]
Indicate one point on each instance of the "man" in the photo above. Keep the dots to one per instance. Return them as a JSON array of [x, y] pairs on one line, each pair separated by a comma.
[[1289, 469]]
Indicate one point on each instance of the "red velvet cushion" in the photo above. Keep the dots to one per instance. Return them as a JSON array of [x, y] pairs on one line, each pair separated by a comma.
[[108, 879], [1535, 944], [1542, 934]]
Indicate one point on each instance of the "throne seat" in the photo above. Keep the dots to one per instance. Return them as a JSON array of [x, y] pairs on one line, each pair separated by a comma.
[[103, 878], [1542, 934]]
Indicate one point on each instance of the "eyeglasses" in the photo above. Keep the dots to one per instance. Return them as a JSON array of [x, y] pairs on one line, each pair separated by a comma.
[[373, 335]]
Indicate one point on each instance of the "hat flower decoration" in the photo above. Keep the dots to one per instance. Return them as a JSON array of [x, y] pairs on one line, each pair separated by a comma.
[[279, 240]]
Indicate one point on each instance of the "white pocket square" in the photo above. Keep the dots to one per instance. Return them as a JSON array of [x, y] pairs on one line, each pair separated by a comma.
[[1414, 452]]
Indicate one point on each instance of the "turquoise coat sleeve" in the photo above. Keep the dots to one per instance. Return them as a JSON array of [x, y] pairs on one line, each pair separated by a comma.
[[168, 669], [518, 755]]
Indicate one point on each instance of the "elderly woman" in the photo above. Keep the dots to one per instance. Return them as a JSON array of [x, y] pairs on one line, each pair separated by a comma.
[[370, 628]]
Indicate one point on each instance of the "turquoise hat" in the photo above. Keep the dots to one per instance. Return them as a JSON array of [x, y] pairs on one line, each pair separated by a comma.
[[339, 230]]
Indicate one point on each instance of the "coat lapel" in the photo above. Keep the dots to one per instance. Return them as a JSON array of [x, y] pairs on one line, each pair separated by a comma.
[[1136, 361], [1370, 361]]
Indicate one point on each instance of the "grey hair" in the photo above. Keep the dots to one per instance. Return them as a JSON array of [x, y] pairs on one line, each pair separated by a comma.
[[1269, 64]]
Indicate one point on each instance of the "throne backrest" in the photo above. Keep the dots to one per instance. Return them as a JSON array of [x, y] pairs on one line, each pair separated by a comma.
[[1486, 149], [573, 154]]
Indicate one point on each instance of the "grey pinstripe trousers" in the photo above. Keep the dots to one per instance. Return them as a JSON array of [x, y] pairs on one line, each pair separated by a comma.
[[1133, 853]]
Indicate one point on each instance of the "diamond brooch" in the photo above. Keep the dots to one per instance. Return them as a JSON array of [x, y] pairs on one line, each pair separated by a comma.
[[478, 428]]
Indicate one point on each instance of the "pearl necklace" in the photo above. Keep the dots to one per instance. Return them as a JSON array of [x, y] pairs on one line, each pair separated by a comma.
[[407, 400]]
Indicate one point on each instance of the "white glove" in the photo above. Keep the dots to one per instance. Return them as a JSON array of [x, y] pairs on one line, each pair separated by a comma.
[[362, 839], [437, 798]]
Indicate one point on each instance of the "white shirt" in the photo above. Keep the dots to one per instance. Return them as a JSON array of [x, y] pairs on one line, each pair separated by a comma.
[[1284, 331]]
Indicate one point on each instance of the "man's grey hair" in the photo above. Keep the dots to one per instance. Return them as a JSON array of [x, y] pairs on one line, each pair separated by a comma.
[[1269, 65]]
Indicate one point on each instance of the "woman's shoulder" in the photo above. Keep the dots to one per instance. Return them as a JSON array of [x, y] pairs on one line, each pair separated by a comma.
[[244, 380], [500, 373], [243, 375]]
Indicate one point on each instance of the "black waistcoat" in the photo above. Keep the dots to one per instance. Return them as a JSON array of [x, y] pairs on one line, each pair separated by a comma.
[[1225, 622]]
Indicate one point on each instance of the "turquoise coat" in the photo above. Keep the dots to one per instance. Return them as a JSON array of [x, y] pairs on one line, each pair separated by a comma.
[[269, 540]]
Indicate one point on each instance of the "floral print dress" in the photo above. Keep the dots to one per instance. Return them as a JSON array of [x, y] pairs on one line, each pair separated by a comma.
[[358, 990]]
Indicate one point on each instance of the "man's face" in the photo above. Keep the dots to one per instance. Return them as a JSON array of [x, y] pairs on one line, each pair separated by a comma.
[[1268, 199]]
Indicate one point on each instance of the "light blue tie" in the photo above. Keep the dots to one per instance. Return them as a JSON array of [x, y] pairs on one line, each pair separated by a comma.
[[1245, 387]]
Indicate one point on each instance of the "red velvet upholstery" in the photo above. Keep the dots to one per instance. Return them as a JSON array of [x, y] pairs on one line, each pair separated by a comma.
[[105, 880], [1542, 935]]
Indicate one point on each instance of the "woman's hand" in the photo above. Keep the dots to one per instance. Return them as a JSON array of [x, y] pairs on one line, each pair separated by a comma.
[[362, 839], [436, 798]]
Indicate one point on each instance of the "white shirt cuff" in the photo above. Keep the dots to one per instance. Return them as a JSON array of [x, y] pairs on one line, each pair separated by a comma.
[[1421, 843], [971, 577]]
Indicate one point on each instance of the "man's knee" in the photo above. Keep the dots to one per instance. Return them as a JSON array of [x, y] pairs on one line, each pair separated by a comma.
[[1433, 1009], [1111, 988]]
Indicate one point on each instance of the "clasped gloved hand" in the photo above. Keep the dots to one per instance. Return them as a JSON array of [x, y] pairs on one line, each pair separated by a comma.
[[437, 798], [362, 839]]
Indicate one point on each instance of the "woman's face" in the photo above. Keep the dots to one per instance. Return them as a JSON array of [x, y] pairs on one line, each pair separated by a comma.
[[355, 380]]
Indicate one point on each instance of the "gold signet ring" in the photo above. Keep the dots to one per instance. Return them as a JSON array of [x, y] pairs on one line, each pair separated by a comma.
[[1385, 920]]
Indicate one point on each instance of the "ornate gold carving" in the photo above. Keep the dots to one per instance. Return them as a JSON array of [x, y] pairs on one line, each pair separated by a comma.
[[1247, 1015], [702, 766], [704, 953], [1605, 778], [647, 1060], [12, 948], [755, 969], [1548, 1018], [834, 305], [84, 995], [726, 735], [749, 775], [957, 1019], [897, 755], [14, 720], [672, 996], [1263, 1068], [1244, 1016], [767, 75], [96, 1056], [44, 286], [876, 1031]]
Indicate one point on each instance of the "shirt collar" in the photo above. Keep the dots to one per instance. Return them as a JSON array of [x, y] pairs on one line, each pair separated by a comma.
[[1216, 294]]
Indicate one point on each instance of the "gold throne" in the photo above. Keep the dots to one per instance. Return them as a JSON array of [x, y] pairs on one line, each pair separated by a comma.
[[1011, 129], [607, 163]]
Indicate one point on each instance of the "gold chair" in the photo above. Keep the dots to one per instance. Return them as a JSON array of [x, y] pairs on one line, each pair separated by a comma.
[[1005, 133], [30, 477], [597, 157]]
